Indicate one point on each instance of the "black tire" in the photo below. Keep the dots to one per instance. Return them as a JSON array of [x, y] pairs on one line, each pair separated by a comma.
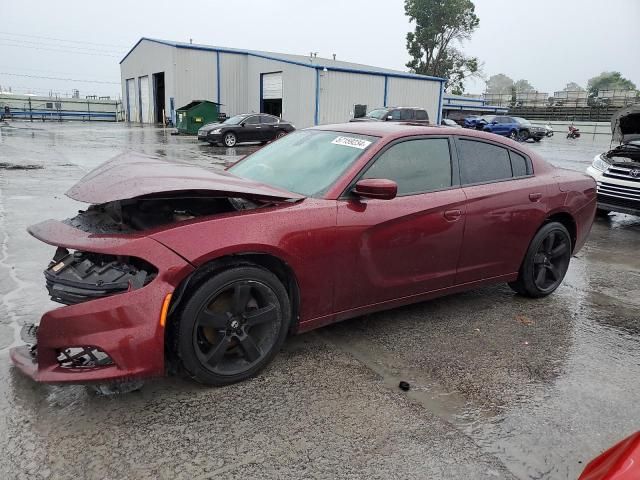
[[545, 263], [233, 325], [230, 139], [601, 212], [280, 134], [536, 139], [523, 135]]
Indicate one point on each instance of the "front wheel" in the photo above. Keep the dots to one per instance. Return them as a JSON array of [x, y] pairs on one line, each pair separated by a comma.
[[230, 139], [537, 139], [523, 135], [233, 325], [545, 263], [280, 134]]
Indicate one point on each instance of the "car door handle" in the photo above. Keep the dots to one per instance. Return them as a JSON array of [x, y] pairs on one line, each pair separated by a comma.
[[534, 197], [452, 215], [258, 127]]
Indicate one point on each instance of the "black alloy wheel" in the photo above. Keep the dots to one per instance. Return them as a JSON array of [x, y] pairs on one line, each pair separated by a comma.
[[523, 135], [280, 134], [546, 262], [233, 325]]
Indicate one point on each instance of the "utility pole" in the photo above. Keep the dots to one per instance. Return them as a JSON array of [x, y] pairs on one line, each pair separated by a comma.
[[30, 111]]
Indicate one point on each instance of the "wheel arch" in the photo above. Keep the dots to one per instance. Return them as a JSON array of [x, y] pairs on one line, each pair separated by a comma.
[[567, 220], [281, 269]]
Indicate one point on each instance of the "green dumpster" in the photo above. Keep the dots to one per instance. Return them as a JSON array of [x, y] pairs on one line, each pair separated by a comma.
[[196, 114]]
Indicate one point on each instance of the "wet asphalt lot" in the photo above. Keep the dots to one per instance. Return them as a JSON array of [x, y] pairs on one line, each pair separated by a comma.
[[502, 386]]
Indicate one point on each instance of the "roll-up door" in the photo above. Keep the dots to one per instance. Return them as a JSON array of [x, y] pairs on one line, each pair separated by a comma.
[[272, 86], [144, 100], [132, 101]]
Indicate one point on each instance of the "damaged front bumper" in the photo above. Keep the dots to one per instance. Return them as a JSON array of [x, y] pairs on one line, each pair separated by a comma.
[[110, 331]]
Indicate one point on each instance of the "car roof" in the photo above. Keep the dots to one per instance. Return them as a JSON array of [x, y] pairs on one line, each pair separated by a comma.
[[389, 130]]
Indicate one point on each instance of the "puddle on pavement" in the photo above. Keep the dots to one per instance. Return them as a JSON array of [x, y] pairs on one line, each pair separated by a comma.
[[15, 166]]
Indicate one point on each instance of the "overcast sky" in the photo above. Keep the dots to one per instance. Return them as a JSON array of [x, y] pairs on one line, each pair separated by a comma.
[[547, 42]]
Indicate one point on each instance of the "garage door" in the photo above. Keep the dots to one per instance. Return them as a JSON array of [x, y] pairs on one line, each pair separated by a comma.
[[144, 99], [272, 86], [132, 101]]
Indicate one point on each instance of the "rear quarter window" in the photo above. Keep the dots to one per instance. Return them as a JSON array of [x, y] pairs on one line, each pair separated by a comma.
[[482, 162], [520, 165]]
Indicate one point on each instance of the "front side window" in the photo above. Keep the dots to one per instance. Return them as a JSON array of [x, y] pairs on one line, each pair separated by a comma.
[[483, 162], [378, 114], [268, 119], [307, 162], [417, 166], [254, 120], [394, 114]]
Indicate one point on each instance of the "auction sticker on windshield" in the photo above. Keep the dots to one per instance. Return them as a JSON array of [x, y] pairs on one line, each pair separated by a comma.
[[352, 142]]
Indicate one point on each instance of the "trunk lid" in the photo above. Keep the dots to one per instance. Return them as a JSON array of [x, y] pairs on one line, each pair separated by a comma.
[[132, 175]]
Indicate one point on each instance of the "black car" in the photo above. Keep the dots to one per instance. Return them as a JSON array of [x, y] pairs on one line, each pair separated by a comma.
[[395, 114], [248, 127]]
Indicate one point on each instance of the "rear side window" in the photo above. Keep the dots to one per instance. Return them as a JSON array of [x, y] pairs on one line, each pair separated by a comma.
[[520, 165], [417, 166], [421, 115], [482, 162], [268, 119], [406, 114]]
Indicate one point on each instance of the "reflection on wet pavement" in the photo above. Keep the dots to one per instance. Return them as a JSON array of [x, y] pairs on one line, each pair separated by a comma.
[[501, 386]]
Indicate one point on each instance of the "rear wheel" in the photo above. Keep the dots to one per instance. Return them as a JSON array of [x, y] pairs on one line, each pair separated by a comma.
[[233, 325], [545, 263], [280, 134], [513, 135]]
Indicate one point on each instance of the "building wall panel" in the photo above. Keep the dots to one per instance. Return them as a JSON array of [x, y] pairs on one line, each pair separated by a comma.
[[233, 83], [197, 77], [403, 92], [340, 91]]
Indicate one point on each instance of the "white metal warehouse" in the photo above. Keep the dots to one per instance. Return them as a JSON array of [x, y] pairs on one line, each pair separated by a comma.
[[160, 75]]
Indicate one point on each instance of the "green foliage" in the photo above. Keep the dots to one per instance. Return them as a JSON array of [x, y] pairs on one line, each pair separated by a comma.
[[500, 83], [440, 25], [523, 86], [573, 87], [608, 81]]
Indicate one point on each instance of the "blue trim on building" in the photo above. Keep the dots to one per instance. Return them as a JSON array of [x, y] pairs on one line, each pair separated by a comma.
[[261, 104], [126, 88], [413, 76], [386, 90], [440, 104], [218, 76], [55, 114], [317, 112], [139, 119], [486, 108]]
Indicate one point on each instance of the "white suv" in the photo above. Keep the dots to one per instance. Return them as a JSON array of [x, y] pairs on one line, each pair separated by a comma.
[[617, 172]]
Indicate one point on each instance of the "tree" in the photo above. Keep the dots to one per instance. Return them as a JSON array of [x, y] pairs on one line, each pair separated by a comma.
[[573, 87], [441, 26], [608, 81], [499, 83], [523, 86]]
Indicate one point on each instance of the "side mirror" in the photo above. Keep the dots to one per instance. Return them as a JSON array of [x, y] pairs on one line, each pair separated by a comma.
[[242, 124], [379, 188], [390, 117], [494, 122]]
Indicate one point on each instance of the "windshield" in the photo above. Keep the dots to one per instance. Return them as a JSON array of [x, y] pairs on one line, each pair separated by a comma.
[[307, 162], [378, 113], [488, 118], [235, 120]]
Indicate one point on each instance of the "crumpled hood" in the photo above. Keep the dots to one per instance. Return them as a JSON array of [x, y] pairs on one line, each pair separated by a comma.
[[133, 175], [625, 124]]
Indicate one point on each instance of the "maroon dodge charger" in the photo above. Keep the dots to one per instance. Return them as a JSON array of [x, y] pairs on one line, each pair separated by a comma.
[[177, 268]]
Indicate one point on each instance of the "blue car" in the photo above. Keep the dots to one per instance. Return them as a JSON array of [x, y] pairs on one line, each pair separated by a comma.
[[501, 125]]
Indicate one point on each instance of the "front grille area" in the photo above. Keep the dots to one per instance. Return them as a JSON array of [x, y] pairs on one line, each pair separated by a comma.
[[623, 173], [622, 196]]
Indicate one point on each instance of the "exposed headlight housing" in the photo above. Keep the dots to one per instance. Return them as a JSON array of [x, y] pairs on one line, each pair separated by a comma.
[[600, 164], [217, 130]]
